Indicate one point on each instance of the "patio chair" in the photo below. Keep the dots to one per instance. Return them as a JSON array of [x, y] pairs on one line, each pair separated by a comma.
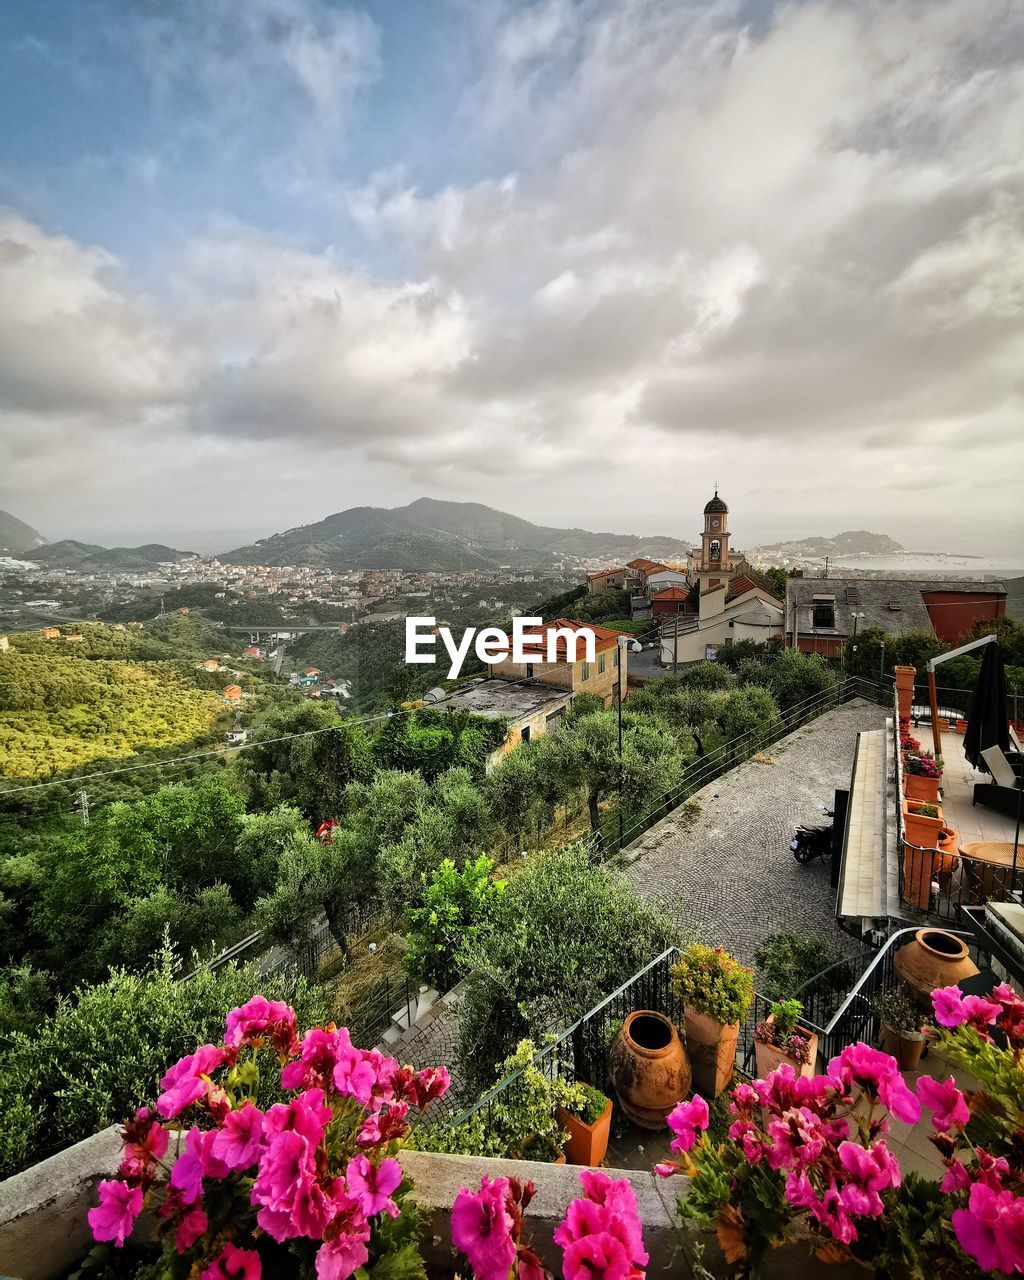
[[1002, 793]]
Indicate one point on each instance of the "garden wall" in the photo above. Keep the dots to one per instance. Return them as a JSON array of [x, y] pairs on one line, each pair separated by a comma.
[[43, 1227]]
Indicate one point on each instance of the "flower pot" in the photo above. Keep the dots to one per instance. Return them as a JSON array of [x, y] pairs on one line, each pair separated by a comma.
[[904, 690], [961, 726], [933, 959], [916, 787], [769, 1056], [919, 870], [711, 1046], [587, 1144], [920, 829], [905, 1046], [649, 1068]]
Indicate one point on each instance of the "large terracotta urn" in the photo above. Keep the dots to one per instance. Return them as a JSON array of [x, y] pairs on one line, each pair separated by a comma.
[[933, 959], [649, 1068]]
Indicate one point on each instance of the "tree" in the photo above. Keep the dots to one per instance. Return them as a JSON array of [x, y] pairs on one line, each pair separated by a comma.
[[456, 904], [585, 755], [564, 934]]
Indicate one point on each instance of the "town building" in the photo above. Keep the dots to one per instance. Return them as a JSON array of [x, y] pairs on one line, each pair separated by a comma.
[[531, 708], [599, 677], [823, 613], [606, 580]]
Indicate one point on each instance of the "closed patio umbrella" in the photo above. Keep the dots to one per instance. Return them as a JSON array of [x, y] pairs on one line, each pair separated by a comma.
[[987, 724]]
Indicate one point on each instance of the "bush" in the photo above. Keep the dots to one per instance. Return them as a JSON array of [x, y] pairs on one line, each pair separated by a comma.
[[562, 936], [786, 962], [455, 904], [714, 983], [100, 1053]]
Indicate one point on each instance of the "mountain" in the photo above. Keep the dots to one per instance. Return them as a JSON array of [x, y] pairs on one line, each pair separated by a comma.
[[432, 535], [16, 536], [88, 557], [854, 542]]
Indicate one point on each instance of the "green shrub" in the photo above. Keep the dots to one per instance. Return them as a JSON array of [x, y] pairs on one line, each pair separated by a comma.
[[786, 962], [455, 904], [714, 983], [103, 1050], [591, 1107], [562, 936]]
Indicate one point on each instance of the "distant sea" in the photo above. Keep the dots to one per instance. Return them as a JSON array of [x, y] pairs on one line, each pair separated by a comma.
[[934, 565]]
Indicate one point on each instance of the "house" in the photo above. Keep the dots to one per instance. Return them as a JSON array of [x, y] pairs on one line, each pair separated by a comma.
[[49, 633], [314, 672], [532, 708], [723, 602], [211, 664], [822, 613], [252, 651], [233, 693], [599, 677], [606, 580]]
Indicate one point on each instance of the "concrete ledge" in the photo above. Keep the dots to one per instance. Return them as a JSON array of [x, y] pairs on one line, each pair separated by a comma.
[[43, 1227]]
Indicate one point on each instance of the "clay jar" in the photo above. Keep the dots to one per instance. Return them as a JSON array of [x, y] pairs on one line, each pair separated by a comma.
[[933, 959], [649, 1068]]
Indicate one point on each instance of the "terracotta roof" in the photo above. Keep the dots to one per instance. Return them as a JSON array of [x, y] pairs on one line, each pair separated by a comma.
[[740, 585], [644, 565], [672, 593], [605, 573], [535, 642]]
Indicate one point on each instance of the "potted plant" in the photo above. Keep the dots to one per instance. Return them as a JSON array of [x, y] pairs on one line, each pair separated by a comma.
[[901, 1027], [587, 1118], [922, 822], [921, 774], [716, 992], [922, 861], [780, 1038]]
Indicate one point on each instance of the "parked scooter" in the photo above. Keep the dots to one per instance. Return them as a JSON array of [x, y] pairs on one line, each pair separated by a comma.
[[809, 843]]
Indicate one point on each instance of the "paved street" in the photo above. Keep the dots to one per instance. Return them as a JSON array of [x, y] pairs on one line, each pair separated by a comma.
[[730, 872]]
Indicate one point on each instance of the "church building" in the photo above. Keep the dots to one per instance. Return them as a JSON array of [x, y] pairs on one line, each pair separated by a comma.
[[723, 600]]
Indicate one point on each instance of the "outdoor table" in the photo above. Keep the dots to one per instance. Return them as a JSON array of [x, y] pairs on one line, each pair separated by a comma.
[[989, 868]]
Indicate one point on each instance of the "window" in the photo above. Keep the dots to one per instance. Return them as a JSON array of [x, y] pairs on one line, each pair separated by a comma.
[[715, 550], [586, 671], [615, 659], [525, 733], [823, 613], [600, 665], [529, 671]]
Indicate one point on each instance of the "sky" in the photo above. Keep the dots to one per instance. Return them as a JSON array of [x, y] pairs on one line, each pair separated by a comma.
[[264, 260]]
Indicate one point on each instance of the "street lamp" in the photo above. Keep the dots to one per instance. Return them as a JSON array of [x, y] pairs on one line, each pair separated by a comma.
[[856, 619], [622, 644]]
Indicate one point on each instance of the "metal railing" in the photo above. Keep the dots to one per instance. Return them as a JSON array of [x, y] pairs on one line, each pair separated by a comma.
[[581, 1051], [938, 882], [736, 751]]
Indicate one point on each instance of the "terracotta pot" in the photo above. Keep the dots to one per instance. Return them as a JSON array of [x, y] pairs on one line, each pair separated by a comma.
[[933, 959], [649, 1068], [587, 1143], [905, 1046], [904, 689], [920, 829], [918, 788], [961, 726], [711, 1046], [919, 869], [769, 1056]]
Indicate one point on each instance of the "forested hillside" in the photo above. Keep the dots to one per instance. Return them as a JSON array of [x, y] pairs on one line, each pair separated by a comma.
[[106, 695]]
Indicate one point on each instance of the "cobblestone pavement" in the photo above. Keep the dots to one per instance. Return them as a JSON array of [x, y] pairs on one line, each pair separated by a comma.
[[730, 871]]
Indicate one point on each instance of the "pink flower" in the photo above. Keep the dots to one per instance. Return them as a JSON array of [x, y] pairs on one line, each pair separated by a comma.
[[239, 1141], [183, 1084], [234, 1264], [686, 1121], [342, 1255], [145, 1140], [945, 1101], [597, 1257], [318, 1055], [879, 1073], [427, 1085], [354, 1076], [991, 1229], [957, 1178], [191, 1225], [948, 1005], [114, 1217], [260, 1019], [482, 1228], [981, 1014], [306, 1114], [384, 1126], [607, 1213], [832, 1214], [371, 1185]]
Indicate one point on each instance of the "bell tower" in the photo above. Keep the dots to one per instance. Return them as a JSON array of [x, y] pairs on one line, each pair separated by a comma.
[[713, 568]]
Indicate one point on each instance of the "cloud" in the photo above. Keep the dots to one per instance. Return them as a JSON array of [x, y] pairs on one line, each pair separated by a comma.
[[755, 247]]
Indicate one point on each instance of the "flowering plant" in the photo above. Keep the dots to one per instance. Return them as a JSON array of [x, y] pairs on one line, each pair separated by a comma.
[[600, 1235], [714, 983], [923, 764], [780, 1029], [308, 1187], [908, 742], [984, 1176], [801, 1151]]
